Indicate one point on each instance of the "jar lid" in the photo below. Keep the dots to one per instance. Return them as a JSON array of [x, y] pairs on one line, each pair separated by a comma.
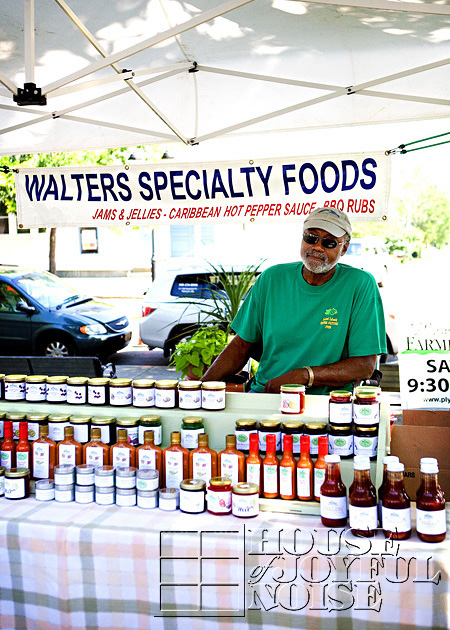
[[192, 420], [79, 488], [64, 469], [36, 378], [245, 488], [64, 487], [341, 427], [17, 472], [103, 419], [147, 473], [271, 424], [120, 382], [192, 484], [249, 424], [147, 494], [16, 416], [104, 471], [44, 484], [37, 417], [15, 378], [80, 419], [366, 395], [292, 389], [85, 469], [316, 426], [367, 429], [57, 380], [126, 491], [59, 418], [189, 384], [150, 420], [77, 380], [126, 471], [166, 384], [341, 393], [127, 422], [98, 381], [168, 493], [108, 490], [292, 424], [214, 385], [143, 382], [220, 481]]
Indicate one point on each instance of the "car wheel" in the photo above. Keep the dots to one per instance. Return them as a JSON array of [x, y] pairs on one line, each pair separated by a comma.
[[57, 346]]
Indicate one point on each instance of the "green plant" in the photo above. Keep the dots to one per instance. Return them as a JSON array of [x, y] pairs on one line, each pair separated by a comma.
[[198, 351]]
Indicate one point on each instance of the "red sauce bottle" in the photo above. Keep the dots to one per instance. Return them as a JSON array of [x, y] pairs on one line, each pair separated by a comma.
[[44, 455], [320, 466], [363, 514], [333, 494], [176, 462], [381, 489], [122, 453], [253, 463], [305, 469], [271, 465], [288, 467], [431, 523], [95, 452], [8, 452], [68, 451], [231, 462], [396, 504], [148, 455], [203, 460], [23, 448]]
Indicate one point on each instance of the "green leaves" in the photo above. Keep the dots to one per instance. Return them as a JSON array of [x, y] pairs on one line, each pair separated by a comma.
[[199, 351]]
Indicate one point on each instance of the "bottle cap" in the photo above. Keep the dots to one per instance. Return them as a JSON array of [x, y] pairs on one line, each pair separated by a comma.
[[395, 467], [271, 442], [361, 462], [149, 436], [428, 460], [8, 428], [23, 430], [323, 445], [96, 433], [68, 432], [390, 458], [122, 435], [203, 439], [332, 459], [431, 468], [230, 441], [175, 437], [304, 443], [43, 430], [288, 442]]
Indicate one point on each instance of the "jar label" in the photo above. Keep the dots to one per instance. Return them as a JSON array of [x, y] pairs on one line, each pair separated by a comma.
[[245, 505], [286, 480], [190, 399], [219, 502], [56, 430], [6, 459], [270, 478], [125, 500], [157, 434], [396, 520], [262, 440], [333, 507], [290, 402], [120, 396], [105, 434], [14, 488], [243, 439], [132, 434], [189, 437], [64, 496], [340, 444], [165, 398], [94, 456], [1, 428], [66, 454], [366, 414], [22, 459], [314, 443], [213, 400], [81, 433], [104, 498], [57, 393], [41, 457], [432, 523], [319, 478], [147, 458], [201, 466], [120, 456], [45, 495], [35, 392], [84, 497], [144, 397], [296, 444], [96, 395], [340, 413], [76, 394], [303, 482], [174, 468], [365, 445], [254, 474], [2, 485], [147, 502], [16, 426], [192, 501], [14, 391], [33, 431], [363, 518], [229, 467]]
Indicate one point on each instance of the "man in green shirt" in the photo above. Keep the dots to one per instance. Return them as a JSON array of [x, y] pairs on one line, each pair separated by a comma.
[[320, 322]]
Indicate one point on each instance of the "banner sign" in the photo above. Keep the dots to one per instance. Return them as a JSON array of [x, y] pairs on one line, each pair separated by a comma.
[[281, 189], [424, 366]]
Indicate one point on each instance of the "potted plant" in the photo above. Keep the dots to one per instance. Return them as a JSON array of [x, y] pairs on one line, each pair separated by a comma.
[[193, 356]]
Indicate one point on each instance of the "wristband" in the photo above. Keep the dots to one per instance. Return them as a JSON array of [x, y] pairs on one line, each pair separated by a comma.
[[311, 376]]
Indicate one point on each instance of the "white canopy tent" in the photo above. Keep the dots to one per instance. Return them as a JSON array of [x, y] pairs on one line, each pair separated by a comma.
[[129, 72]]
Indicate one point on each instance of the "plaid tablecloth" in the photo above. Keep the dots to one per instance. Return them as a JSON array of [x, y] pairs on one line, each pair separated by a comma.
[[71, 566]]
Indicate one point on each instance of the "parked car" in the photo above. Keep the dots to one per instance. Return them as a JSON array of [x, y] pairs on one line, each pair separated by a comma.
[[369, 253], [41, 314], [167, 317]]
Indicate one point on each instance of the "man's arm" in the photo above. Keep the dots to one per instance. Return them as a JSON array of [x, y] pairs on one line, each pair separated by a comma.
[[332, 375], [230, 360]]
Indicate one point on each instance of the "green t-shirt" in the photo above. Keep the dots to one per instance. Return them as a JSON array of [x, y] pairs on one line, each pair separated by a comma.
[[299, 324]]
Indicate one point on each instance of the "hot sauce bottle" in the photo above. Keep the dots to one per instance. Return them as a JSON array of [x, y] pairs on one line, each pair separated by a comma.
[[44, 455], [363, 514], [68, 451], [320, 466], [23, 448], [232, 461], [287, 471], [305, 469], [381, 489], [333, 494], [122, 453], [430, 505], [203, 460], [95, 452], [8, 452], [148, 455], [176, 462], [253, 463], [271, 465], [396, 505]]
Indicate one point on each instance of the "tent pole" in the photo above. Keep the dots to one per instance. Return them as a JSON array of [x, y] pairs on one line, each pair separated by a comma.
[[29, 41]]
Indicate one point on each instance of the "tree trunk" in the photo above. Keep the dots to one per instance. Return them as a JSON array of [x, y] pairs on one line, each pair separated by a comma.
[[52, 251]]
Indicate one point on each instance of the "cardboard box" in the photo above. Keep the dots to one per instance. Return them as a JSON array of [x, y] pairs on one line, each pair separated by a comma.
[[424, 433]]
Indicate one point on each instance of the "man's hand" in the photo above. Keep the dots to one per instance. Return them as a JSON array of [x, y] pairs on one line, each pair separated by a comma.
[[293, 377]]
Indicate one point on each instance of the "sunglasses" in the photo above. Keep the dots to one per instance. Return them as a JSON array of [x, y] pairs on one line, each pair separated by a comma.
[[327, 243]]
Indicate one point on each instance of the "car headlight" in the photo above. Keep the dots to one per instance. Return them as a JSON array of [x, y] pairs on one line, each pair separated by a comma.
[[93, 329]]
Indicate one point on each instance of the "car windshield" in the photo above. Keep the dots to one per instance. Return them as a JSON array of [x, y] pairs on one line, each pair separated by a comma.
[[46, 289], [354, 249]]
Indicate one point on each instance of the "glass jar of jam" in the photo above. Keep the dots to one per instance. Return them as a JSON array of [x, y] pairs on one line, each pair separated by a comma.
[[365, 441], [36, 388], [192, 496], [243, 431], [190, 395], [15, 387], [98, 391], [56, 389], [219, 496], [340, 440], [17, 483], [294, 428], [191, 427], [150, 423], [214, 395], [266, 427], [245, 500], [120, 392], [35, 420], [77, 390], [143, 392], [366, 407], [315, 430], [132, 428], [107, 426], [340, 407], [16, 418], [81, 428], [166, 394], [56, 425], [292, 399]]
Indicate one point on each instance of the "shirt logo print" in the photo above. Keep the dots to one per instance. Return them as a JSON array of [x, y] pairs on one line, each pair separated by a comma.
[[329, 320]]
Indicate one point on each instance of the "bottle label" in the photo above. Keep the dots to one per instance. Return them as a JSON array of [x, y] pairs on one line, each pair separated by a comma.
[[303, 482], [120, 456], [66, 454], [94, 456], [157, 434], [41, 460], [254, 473], [366, 414], [14, 488], [430, 522], [319, 477], [340, 413], [76, 394], [365, 446], [229, 467], [363, 518], [219, 502], [340, 444], [174, 469], [396, 520], [333, 507], [201, 466], [270, 478], [189, 437], [147, 458], [286, 480], [23, 459], [6, 459]]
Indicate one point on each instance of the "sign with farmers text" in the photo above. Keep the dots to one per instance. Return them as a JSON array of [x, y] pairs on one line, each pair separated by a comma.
[[274, 190], [424, 366]]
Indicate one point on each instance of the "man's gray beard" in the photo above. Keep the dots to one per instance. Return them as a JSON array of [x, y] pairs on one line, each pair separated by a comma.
[[318, 266]]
